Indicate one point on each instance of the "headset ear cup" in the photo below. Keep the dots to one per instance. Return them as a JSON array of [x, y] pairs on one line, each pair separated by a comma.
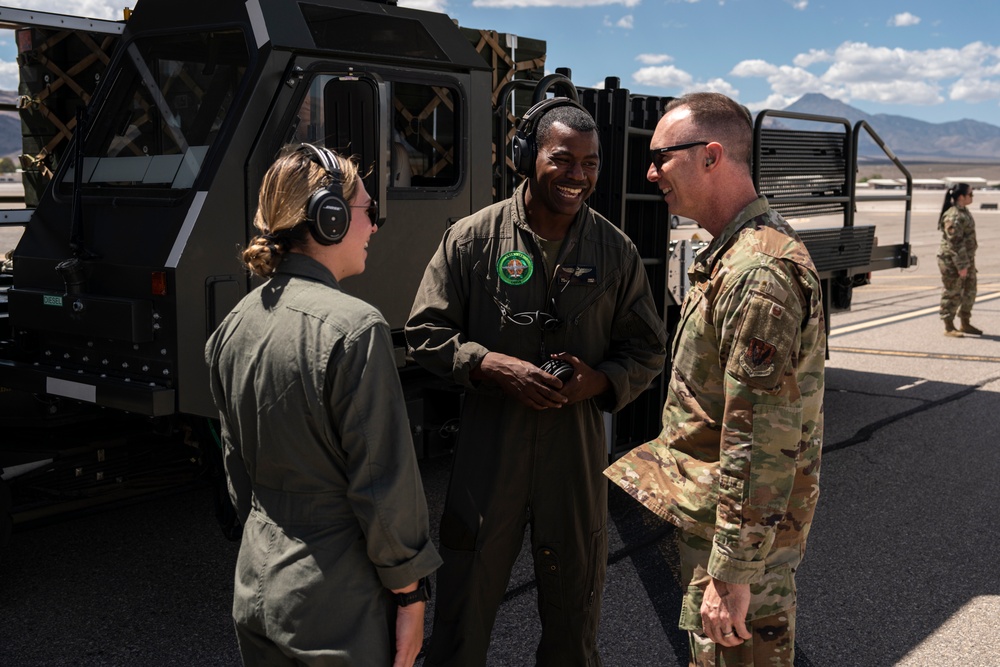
[[329, 216], [523, 155]]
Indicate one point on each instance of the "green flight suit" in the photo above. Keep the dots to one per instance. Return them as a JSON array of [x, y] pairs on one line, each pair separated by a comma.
[[321, 470], [515, 466]]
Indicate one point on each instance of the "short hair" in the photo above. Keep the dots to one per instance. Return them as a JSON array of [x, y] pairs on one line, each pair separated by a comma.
[[281, 208], [722, 120], [572, 117]]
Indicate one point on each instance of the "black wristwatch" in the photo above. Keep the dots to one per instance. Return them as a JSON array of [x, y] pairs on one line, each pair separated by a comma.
[[422, 594]]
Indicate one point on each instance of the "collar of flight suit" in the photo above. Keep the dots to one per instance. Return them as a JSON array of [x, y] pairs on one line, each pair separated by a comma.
[[303, 266]]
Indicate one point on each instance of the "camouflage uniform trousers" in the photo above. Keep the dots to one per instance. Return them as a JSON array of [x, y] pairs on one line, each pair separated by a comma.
[[770, 618], [959, 293]]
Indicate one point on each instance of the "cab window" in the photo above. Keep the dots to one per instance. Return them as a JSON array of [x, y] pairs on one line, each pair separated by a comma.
[[339, 112], [167, 104]]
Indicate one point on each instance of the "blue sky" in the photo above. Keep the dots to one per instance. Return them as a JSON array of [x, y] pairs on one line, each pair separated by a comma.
[[935, 61]]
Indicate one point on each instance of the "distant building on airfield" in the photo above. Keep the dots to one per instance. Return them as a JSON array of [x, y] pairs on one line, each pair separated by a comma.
[[974, 181], [885, 183]]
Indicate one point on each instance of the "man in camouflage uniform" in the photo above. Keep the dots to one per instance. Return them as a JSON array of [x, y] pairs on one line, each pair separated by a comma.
[[736, 466]]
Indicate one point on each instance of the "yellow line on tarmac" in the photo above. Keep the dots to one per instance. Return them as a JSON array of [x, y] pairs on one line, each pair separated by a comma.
[[899, 318], [919, 355]]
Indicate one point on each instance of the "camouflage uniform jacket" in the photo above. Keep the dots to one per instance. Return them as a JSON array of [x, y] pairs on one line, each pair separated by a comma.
[[737, 461], [958, 244]]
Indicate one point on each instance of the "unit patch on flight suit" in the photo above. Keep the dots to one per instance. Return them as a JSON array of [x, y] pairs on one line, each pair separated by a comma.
[[515, 267]]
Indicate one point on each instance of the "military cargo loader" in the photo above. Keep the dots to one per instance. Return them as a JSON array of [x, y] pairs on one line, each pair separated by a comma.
[[145, 141]]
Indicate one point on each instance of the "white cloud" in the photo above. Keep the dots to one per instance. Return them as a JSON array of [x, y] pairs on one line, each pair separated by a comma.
[[679, 81], [626, 22], [653, 58], [921, 93], [426, 5], [904, 20], [714, 86], [664, 76], [800, 5], [785, 80], [857, 61], [9, 76], [859, 71], [974, 90], [772, 102], [814, 56], [759, 68], [508, 4]]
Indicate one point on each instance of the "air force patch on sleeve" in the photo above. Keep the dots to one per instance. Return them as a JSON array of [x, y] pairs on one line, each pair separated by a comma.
[[765, 338], [758, 358]]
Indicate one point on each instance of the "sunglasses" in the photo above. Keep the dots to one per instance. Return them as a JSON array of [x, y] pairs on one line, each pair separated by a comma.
[[656, 154], [372, 210]]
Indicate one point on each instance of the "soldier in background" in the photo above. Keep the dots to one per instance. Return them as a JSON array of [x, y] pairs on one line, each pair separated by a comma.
[[957, 261], [736, 466]]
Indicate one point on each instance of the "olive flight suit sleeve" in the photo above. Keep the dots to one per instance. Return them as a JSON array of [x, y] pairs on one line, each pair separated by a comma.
[[759, 317], [384, 489], [237, 476], [436, 331], [637, 349]]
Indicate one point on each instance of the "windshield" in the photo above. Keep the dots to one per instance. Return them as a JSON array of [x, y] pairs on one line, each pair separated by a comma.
[[166, 106]]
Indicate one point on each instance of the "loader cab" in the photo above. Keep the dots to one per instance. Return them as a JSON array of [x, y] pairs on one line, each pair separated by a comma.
[[131, 258]]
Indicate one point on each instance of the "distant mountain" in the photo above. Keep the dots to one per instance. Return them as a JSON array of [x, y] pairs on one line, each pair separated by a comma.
[[907, 137]]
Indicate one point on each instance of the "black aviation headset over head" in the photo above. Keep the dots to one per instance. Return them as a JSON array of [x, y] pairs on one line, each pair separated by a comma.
[[524, 144], [327, 214]]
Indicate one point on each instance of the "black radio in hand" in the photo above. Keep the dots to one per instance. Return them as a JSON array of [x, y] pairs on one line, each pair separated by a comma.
[[561, 369]]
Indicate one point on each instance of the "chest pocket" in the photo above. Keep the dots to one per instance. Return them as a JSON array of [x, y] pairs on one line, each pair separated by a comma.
[[575, 299], [692, 357]]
